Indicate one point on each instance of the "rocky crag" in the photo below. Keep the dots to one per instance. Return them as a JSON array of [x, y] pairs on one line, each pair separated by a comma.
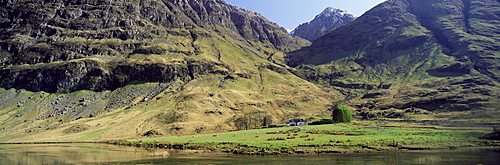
[[323, 23], [401, 44], [102, 37], [91, 70]]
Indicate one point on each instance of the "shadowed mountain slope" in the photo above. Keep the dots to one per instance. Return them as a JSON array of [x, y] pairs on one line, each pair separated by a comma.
[[404, 37], [400, 43]]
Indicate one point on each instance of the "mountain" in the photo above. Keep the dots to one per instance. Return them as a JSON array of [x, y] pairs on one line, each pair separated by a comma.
[[435, 56], [94, 70], [323, 23]]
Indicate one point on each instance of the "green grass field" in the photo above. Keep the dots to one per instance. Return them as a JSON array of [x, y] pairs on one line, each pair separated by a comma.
[[352, 138]]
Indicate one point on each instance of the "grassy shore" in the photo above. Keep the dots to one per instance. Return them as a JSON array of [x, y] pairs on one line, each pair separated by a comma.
[[357, 137]]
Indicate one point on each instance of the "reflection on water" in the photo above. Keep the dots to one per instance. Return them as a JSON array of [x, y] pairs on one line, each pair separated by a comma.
[[68, 153], [110, 154]]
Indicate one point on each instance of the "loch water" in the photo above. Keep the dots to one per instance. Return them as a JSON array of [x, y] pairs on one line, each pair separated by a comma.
[[35, 154]]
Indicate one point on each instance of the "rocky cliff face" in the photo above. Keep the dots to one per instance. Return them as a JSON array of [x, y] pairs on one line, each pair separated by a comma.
[[35, 32], [93, 75], [323, 23]]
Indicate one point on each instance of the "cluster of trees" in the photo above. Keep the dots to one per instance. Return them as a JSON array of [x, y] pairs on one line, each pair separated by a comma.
[[341, 114]]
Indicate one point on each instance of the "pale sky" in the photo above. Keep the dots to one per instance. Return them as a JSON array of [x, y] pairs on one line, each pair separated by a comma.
[[291, 13]]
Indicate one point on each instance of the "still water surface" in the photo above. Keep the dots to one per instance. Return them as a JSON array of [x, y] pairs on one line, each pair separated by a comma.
[[35, 154]]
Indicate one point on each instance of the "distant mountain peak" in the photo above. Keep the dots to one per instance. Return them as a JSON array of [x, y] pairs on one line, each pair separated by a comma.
[[323, 23], [331, 11]]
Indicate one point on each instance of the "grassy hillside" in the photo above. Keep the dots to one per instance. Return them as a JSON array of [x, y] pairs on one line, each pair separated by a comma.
[[209, 103]]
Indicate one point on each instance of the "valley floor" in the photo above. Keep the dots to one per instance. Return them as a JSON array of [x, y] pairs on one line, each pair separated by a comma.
[[357, 137]]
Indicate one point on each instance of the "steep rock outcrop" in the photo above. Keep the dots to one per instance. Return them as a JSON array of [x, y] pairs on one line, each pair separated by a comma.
[[93, 75]]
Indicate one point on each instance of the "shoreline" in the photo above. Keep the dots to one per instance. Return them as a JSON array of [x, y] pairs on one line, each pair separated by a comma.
[[250, 150], [48, 143]]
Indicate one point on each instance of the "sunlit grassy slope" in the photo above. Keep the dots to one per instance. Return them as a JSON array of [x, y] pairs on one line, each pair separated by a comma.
[[201, 106]]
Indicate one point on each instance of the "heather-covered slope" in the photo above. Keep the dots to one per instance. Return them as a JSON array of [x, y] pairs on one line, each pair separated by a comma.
[[90, 70], [401, 43]]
